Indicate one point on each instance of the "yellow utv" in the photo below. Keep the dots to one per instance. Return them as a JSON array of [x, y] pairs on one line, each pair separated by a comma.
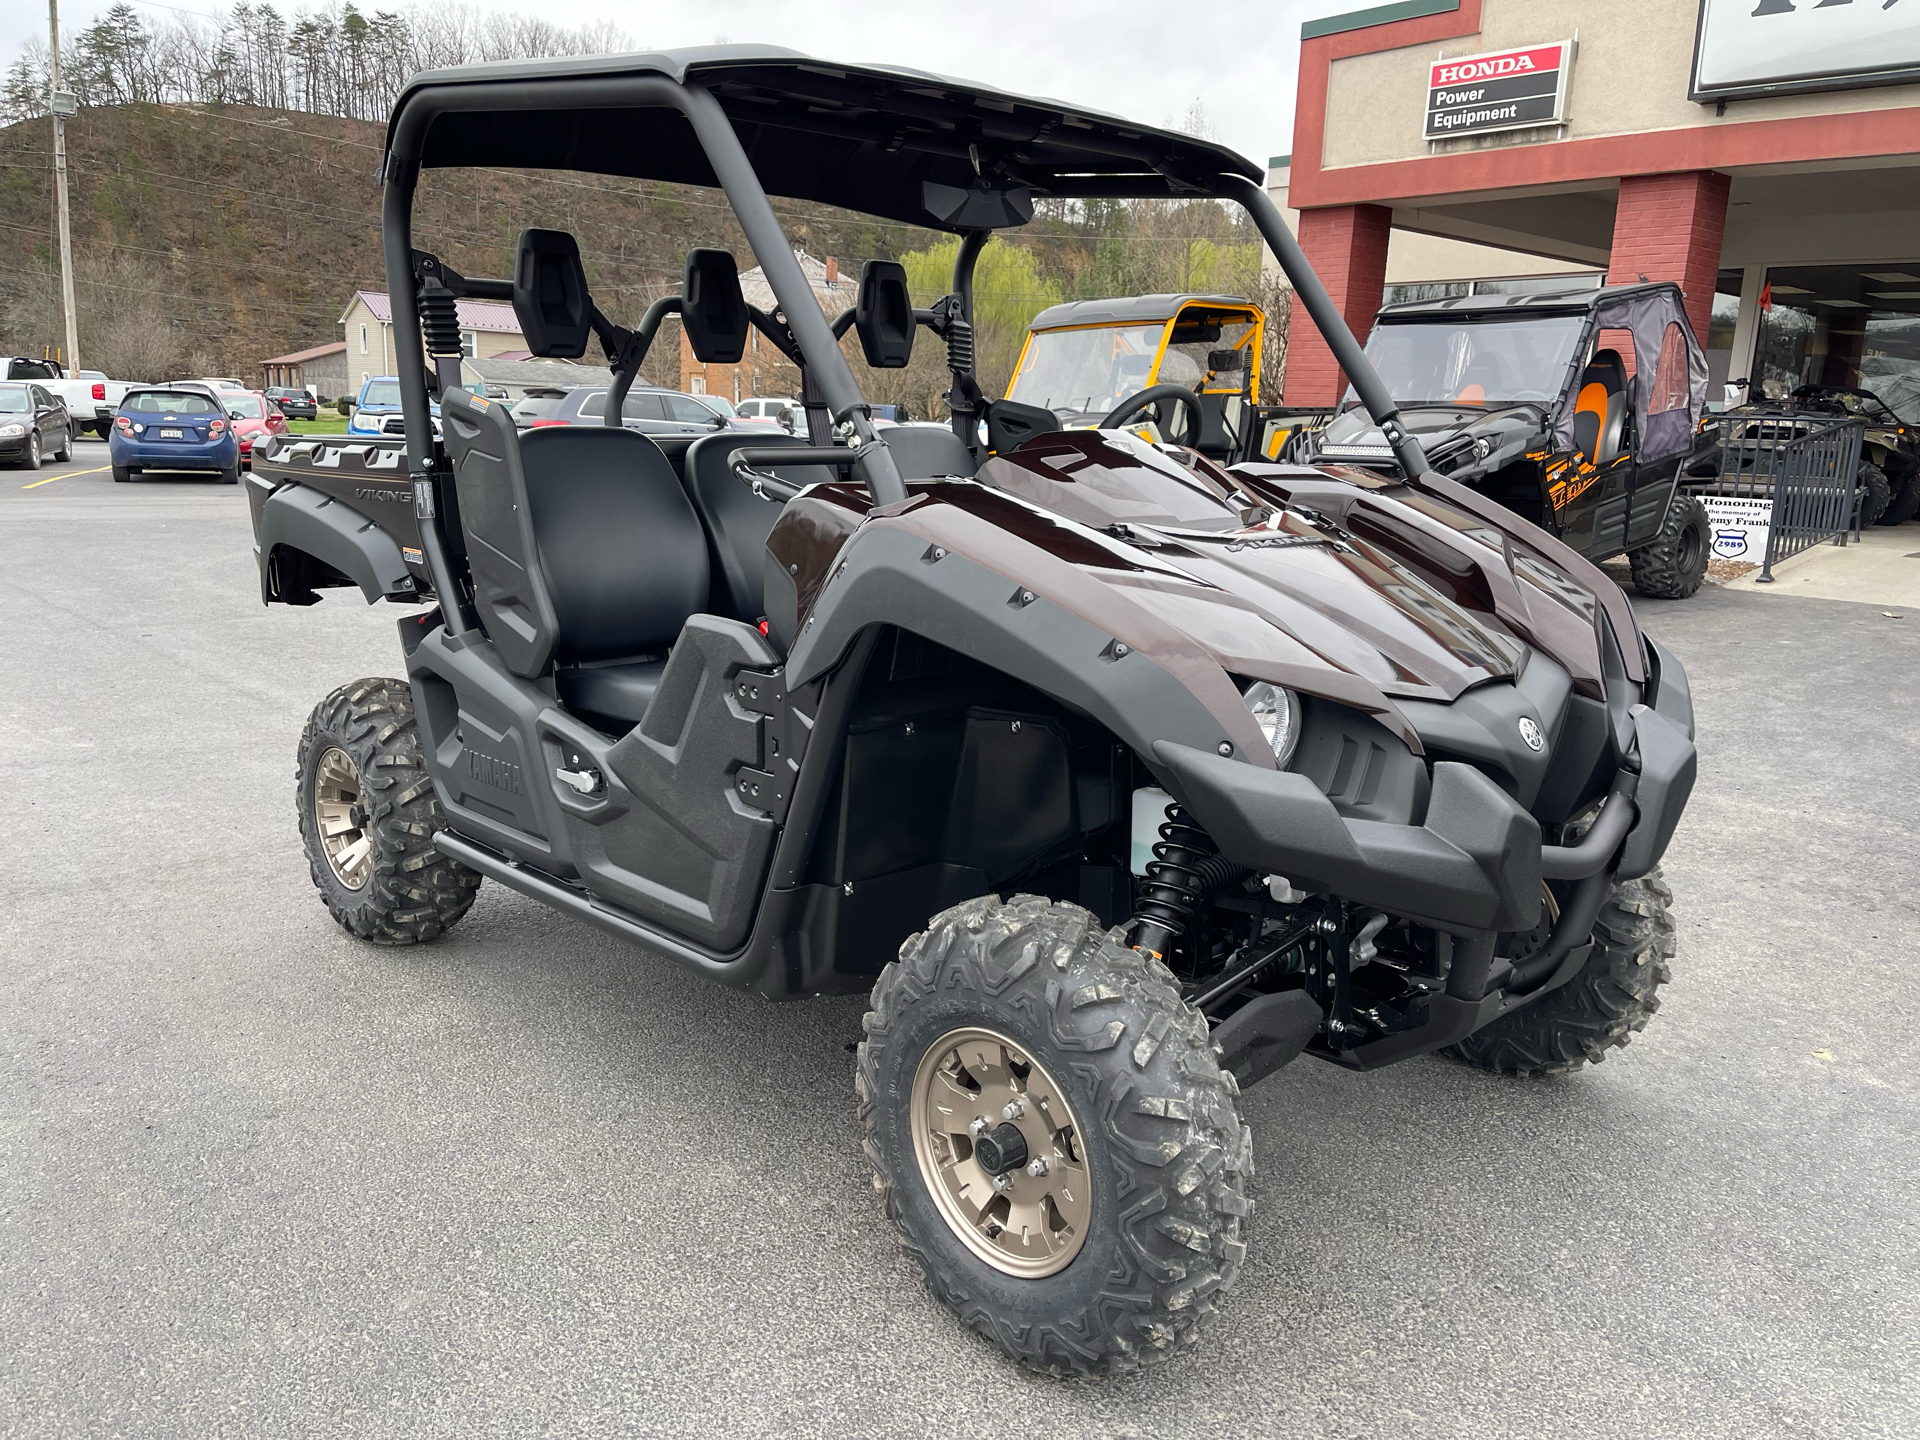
[[1187, 366]]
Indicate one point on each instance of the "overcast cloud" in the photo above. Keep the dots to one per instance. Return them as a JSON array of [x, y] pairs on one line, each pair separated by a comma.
[[1148, 61]]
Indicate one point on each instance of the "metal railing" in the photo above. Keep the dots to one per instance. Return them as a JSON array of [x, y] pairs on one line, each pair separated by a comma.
[[1806, 466]]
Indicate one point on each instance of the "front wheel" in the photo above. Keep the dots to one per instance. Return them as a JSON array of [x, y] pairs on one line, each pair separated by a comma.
[[1905, 502], [1604, 1006], [32, 460], [1875, 492], [1675, 564], [1053, 1136], [368, 816]]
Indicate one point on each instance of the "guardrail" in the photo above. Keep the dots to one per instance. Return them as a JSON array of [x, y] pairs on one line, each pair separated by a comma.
[[1806, 466]]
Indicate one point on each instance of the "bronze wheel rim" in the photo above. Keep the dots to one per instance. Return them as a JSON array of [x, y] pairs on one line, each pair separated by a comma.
[[340, 820], [1035, 1219]]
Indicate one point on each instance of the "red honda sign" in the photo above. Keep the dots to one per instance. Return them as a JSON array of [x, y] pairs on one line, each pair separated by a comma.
[[1502, 90]]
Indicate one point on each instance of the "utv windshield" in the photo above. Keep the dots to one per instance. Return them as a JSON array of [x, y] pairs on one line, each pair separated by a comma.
[[1474, 362], [1079, 370]]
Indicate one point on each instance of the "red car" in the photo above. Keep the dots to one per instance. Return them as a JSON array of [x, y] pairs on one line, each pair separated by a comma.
[[254, 418]]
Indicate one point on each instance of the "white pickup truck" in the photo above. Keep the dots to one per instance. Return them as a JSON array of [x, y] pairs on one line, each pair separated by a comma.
[[91, 397]]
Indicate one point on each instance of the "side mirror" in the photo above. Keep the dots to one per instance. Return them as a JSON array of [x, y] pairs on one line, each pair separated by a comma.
[[713, 311], [550, 295], [883, 315]]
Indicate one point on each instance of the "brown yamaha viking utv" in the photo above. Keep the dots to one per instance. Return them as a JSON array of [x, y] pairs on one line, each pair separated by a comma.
[[1120, 778]]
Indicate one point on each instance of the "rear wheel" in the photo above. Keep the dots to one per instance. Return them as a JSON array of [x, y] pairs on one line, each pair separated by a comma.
[[1673, 566], [123, 473], [231, 475], [1874, 492], [65, 452], [1601, 1008], [368, 816], [1052, 1134]]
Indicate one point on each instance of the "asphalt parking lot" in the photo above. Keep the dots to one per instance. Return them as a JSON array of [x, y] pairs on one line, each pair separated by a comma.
[[259, 1179]]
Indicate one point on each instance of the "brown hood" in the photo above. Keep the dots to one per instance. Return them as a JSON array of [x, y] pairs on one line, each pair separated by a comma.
[[1333, 581]]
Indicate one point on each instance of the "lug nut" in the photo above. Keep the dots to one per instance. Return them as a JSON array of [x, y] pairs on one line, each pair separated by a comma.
[[976, 1127], [1003, 1183], [1039, 1167], [1013, 1110]]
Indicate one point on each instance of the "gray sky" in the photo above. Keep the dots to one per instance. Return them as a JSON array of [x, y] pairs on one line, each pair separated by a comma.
[[1144, 59]]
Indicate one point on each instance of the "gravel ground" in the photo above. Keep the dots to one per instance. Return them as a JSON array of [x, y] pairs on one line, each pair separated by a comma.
[[259, 1179]]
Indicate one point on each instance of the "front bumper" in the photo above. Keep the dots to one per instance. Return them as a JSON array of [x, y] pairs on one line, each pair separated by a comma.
[[1476, 864]]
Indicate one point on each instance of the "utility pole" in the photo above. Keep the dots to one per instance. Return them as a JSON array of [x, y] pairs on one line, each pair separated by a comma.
[[62, 103]]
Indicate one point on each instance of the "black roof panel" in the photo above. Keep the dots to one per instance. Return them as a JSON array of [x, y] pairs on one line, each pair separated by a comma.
[[1559, 301], [864, 137]]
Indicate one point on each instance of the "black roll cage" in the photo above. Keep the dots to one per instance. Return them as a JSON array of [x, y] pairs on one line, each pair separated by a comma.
[[1134, 163]]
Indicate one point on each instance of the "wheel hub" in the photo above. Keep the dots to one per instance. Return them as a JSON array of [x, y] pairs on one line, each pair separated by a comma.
[[1000, 1151], [340, 819]]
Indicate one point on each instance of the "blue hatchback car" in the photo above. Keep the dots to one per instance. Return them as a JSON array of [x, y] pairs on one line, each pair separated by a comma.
[[173, 427]]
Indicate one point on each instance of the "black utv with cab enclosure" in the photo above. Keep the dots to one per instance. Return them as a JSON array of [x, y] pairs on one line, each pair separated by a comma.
[[1578, 409], [1120, 778]]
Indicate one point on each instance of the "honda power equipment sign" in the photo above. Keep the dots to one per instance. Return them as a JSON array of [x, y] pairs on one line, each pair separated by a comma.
[[1745, 48], [1507, 90]]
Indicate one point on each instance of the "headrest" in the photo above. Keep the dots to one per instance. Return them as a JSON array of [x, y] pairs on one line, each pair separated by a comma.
[[883, 315], [1608, 367], [713, 310], [550, 295]]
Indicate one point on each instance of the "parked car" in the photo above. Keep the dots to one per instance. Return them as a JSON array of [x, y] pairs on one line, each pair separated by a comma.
[[173, 427], [785, 413], [377, 410], [649, 410], [90, 397], [294, 404], [537, 408], [251, 418], [33, 423]]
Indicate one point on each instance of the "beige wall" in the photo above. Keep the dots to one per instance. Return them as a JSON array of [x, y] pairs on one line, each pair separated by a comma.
[[1630, 75]]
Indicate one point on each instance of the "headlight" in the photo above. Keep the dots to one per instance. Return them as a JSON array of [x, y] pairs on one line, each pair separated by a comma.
[[1277, 712], [13, 429]]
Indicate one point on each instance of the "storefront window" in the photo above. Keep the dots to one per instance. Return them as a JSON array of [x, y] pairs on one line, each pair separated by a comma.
[[1851, 325], [1718, 341]]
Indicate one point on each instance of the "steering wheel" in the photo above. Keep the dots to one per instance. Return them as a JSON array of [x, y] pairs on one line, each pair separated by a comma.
[[1157, 398]]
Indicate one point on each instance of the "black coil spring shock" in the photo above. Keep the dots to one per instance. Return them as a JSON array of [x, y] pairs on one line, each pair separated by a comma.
[[439, 319], [1185, 872], [959, 346]]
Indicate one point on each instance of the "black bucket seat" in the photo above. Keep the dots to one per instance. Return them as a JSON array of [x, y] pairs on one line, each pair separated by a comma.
[[1600, 408], [585, 552]]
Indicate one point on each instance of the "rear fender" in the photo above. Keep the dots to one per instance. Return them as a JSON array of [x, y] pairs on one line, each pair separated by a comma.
[[307, 541]]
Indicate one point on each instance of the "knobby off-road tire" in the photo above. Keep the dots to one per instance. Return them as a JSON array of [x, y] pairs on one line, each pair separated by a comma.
[[1905, 503], [1876, 493], [361, 740], [1672, 567], [1601, 1008], [1167, 1158]]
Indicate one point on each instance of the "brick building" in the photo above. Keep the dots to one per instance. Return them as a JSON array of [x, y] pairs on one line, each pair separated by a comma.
[[1763, 153]]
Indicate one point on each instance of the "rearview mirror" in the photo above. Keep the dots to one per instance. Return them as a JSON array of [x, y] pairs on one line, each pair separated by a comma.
[[713, 311], [550, 295], [883, 315]]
